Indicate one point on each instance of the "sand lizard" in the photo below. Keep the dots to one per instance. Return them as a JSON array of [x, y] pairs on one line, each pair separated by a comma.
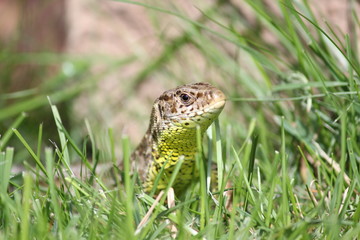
[[172, 133]]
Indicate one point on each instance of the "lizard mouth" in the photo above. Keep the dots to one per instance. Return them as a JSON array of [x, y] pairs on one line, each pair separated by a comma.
[[216, 106]]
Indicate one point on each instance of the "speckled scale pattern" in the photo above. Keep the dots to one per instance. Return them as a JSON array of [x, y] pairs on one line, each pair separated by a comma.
[[172, 134]]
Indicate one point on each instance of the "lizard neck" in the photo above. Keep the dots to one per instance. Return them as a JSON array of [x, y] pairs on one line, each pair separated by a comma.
[[174, 143]]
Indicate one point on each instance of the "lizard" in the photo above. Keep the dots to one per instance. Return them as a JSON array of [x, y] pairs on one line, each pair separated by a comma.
[[171, 134]]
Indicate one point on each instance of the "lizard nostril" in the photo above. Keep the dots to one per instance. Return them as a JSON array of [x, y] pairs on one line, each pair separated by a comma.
[[219, 95]]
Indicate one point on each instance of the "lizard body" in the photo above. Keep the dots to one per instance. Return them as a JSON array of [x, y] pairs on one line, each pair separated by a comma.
[[172, 133]]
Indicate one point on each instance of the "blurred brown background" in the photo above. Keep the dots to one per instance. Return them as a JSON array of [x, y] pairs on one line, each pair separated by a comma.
[[122, 99]]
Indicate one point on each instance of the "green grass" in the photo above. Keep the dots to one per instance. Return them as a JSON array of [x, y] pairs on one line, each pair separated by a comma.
[[288, 140]]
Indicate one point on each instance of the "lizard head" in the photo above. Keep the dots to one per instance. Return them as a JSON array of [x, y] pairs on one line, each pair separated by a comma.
[[190, 105]]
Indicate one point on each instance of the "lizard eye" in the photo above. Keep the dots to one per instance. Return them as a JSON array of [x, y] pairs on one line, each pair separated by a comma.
[[185, 98]]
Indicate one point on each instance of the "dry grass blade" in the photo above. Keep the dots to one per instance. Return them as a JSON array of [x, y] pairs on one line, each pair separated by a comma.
[[148, 214], [331, 162]]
